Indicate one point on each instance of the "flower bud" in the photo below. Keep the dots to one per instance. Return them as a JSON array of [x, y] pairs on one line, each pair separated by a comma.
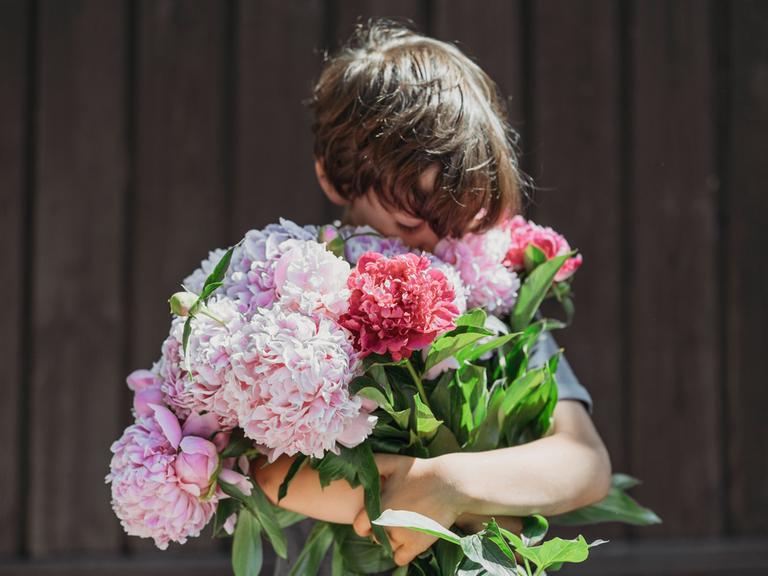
[[181, 302]]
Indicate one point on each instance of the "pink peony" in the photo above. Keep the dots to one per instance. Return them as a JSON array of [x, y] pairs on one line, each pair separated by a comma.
[[398, 304], [161, 475], [293, 372], [478, 259], [311, 279], [146, 386], [523, 233], [197, 383]]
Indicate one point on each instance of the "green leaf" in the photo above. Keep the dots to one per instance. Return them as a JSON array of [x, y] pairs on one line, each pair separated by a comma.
[[533, 290], [268, 519], [624, 481], [220, 270], [494, 533], [247, 555], [426, 423], [481, 549], [449, 345], [185, 335], [534, 529], [358, 467], [209, 290], [316, 546], [448, 556], [617, 506], [238, 445], [554, 551], [416, 521], [533, 256], [444, 442], [472, 354], [296, 465], [287, 518], [475, 317], [377, 396], [361, 555]]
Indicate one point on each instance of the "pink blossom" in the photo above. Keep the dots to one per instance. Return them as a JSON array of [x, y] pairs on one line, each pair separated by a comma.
[[522, 233], [160, 478], [146, 386], [293, 372], [311, 279], [398, 304], [196, 383], [478, 258]]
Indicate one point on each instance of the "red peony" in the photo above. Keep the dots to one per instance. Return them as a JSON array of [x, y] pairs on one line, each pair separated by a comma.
[[398, 304], [523, 233]]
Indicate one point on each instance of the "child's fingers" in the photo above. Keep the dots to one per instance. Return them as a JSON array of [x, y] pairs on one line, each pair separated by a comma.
[[362, 524]]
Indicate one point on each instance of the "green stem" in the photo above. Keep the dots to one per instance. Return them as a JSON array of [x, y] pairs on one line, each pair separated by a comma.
[[418, 382], [527, 566], [205, 312]]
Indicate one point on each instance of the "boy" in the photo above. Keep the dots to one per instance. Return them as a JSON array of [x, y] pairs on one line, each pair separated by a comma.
[[411, 138]]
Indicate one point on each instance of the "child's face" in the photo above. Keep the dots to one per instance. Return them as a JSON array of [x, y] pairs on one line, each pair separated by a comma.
[[367, 210]]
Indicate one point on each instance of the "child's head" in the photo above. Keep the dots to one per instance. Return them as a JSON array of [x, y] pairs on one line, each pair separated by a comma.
[[412, 136]]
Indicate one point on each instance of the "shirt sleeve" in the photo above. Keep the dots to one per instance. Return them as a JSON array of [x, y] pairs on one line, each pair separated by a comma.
[[568, 386]]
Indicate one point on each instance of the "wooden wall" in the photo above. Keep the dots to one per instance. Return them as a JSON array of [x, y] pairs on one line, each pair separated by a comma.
[[135, 136]]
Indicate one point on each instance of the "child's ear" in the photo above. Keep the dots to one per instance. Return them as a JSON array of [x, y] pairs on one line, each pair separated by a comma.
[[325, 184]]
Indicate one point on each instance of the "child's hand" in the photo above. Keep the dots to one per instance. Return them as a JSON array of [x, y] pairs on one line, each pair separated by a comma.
[[416, 484]]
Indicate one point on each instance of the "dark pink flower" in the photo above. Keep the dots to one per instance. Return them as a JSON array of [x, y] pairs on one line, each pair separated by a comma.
[[524, 232], [398, 304]]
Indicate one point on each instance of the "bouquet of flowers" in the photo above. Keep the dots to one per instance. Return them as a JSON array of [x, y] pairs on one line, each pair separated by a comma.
[[330, 343]]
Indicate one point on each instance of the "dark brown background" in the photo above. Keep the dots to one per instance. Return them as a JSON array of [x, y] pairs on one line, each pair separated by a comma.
[[135, 136]]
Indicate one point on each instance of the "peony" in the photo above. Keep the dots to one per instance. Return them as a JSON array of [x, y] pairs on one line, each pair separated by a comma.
[[292, 375], [250, 279], [162, 475], [362, 239], [478, 258], [522, 233], [146, 386], [398, 304], [311, 279], [197, 383]]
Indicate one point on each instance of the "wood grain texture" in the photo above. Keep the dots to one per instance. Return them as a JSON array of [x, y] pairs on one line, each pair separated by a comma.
[[16, 258], [673, 326], [77, 324], [279, 53], [747, 282], [577, 149], [181, 199]]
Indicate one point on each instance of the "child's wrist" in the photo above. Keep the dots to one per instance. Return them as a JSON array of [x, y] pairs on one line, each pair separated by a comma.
[[458, 492]]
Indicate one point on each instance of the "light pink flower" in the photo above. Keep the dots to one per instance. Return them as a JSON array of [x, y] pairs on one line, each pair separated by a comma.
[[293, 372], [522, 233], [197, 383], [146, 386], [311, 279], [478, 259], [398, 304], [160, 476]]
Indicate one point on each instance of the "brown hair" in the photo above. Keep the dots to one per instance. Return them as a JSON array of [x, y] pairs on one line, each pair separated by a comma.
[[390, 102]]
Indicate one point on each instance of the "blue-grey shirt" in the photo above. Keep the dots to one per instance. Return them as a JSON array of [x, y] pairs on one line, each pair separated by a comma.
[[568, 388]]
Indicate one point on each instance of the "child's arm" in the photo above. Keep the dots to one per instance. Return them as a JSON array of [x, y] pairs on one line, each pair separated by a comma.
[[566, 470], [561, 472]]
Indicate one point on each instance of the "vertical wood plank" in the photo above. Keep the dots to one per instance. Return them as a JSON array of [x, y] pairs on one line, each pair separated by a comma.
[[493, 38], [76, 380], [14, 68], [746, 308], [275, 173], [181, 200], [577, 150], [675, 420]]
